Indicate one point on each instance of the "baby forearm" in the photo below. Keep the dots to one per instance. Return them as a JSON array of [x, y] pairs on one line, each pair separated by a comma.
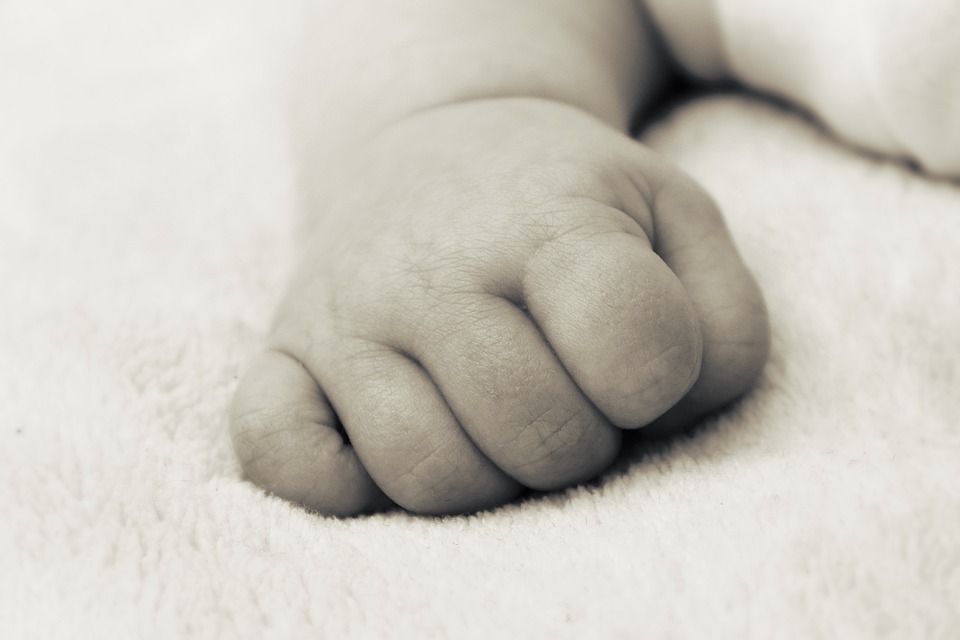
[[378, 60]]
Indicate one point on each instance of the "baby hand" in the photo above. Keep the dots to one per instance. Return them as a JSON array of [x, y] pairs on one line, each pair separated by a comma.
[[498, 290]]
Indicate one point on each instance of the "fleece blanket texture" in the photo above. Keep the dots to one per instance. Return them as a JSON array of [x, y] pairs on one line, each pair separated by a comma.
[[148, 202]]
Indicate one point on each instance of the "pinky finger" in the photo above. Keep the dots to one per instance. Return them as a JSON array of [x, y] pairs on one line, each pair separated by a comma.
[[286, 437]]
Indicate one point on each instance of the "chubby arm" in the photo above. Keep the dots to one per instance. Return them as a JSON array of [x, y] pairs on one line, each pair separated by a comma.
[[372, 62]]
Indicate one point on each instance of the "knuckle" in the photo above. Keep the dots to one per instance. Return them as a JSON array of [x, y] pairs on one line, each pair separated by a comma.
[[568, 242], [427, 485], [562, 446], [556, 439], [275, 447], [255, 436], [654, 385]]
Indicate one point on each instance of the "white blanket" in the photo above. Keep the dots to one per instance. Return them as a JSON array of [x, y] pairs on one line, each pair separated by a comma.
[[147, 206]]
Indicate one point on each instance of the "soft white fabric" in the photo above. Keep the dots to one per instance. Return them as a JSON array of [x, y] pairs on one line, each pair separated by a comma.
[[881, 73], [147, 202]]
